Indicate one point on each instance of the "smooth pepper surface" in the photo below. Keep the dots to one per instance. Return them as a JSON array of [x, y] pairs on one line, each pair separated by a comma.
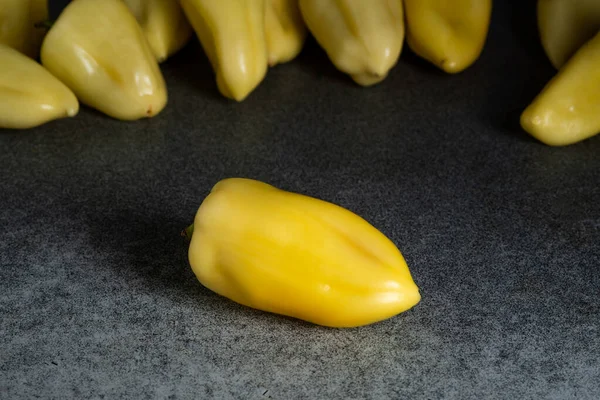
[[567, 110], [296, 255], [97, 48], [449, 34]]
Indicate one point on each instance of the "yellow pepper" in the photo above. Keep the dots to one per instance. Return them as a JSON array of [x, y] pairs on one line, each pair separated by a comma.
[[361, 38], [565, 25], [568, 108], [232, 33], [298, 256], [449, 34], [97, 48], [30, 95], [164, 24], [285, 30], [17, 25]]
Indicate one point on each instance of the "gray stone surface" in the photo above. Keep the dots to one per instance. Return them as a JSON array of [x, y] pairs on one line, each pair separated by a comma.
[[501, 233]]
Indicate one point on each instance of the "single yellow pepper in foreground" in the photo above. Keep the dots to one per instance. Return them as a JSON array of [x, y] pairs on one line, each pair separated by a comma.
[[565, 25], [299, 256], [17, 25], [29, 94], [232, 33], [164, 24], [363, 39], [449, 34], [97, 48], [568, 108]]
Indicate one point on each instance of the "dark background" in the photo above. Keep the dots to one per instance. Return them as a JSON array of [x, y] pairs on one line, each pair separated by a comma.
[[500, 232]]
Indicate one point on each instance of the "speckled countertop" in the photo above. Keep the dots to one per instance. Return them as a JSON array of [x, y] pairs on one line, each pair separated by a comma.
[[501, 233]]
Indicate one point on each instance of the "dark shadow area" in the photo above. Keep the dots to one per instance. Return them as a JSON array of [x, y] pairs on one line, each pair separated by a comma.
[[191, 66], [522, 17], [508, 122], [147, 251], [55, 7], [518, 69], [410, 58], [315, 61]]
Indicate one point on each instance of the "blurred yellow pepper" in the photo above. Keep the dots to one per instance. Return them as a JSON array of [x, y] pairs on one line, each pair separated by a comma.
[[30, 95], [284, 29], [565, 25], [449, 34], [97, 48], [363, 39], [568, 108], [164, 24], [232, 33], [17, 25]]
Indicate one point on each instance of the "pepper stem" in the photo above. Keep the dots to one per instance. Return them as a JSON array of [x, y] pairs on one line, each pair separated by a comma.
[[188, 232]]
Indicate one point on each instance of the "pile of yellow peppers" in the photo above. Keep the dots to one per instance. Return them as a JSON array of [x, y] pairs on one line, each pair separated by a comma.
[[107, 52]]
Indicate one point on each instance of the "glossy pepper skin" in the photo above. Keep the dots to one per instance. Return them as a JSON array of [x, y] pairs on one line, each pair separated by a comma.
[[285, 30], [565, 25], [30, 95], [97, 48], [232, 33], [164, 24], [449, 34], [299, 256], [17, 25], [361, 38], [568, 108]]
